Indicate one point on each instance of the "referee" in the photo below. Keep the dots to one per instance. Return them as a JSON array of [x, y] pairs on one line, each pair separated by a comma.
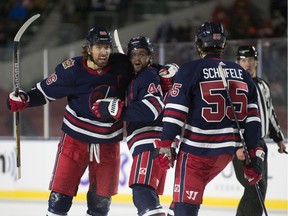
[[249, 204]]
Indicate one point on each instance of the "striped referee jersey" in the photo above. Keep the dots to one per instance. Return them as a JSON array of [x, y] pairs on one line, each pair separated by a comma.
[[270, 126]]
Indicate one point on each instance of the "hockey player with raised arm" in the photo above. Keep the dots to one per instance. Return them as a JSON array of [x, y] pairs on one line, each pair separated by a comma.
[[143, 115], [87, 141], [199, 102]]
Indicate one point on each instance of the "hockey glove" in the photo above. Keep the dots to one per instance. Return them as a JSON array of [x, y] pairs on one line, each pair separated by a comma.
[[165, 154], [19, 102], [167, 76], [253, 171], [109, 107]]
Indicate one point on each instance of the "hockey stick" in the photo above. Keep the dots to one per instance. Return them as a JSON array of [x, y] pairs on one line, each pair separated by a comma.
[[117, 41], [16, 82], [247, 156]]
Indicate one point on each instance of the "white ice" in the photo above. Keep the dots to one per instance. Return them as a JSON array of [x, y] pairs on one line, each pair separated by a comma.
[[38, 208]]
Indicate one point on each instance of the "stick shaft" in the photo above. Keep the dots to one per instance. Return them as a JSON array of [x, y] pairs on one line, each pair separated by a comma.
[[16, 83], [248, 159]]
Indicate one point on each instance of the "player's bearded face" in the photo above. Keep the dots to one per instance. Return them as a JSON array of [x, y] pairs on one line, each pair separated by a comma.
[[140, 59], [100, 54]]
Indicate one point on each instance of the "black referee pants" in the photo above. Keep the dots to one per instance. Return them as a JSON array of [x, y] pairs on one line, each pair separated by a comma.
[[249, 204]]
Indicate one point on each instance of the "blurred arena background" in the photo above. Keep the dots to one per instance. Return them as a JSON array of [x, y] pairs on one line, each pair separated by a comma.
[[58, 34]]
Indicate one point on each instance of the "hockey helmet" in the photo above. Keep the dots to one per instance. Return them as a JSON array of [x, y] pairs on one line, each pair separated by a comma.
[[210, 35], [98, 36], [246, 51], [140, 42]]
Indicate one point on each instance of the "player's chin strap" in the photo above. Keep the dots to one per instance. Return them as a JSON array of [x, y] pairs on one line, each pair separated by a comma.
[[94, 150]]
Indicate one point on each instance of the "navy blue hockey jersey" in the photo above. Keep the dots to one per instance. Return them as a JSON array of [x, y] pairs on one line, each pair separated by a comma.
[[83, 86], [199, 102], [144, 111]]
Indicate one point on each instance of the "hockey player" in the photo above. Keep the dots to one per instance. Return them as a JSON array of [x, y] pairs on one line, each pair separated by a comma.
[[87, 141], [143, 115], [211, 138], [249, 205]]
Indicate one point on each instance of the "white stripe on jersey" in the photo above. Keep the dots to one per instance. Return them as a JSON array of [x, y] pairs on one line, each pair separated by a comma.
[[253, 118], [177, 107], [211, 131], [140, 143], [148, 140], [211, 145], [92, 134], [173, 120], [152, 107], [99, 124], [143, 129], [253, 105], [45, 96]]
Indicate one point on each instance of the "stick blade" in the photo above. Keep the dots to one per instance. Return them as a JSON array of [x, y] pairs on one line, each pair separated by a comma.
[[222, 74], [25, 26], [117, 41]]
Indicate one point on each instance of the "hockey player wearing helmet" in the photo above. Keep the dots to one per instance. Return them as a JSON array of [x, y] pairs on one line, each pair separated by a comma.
[[198, 102], [249, 205], [88, 140], [143, 116]]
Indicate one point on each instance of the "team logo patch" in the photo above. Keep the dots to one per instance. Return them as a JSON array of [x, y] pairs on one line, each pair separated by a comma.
[[100, 92], [216, 36], [103, 33], [68, 63], [142, 171], [52, 78], [176, 188]]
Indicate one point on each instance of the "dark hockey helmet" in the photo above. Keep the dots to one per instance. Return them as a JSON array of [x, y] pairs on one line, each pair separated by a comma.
[[140, 42], [246, 51], [210, 35], [98, 36]]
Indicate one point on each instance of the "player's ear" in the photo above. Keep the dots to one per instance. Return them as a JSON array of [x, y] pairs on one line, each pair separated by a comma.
[[88, 50]]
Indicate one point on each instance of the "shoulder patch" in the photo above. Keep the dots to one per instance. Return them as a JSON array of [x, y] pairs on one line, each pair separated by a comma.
[[68, 63]]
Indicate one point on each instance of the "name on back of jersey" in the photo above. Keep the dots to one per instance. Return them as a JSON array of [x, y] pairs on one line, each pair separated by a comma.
[[213, 73]]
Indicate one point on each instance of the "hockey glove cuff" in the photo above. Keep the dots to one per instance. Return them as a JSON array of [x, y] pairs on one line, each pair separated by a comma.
[[109, 107], [167, 76], [19, 102], [165, 153], [253, 171]]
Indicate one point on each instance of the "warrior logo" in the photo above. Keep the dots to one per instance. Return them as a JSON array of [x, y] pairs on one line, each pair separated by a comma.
[[191, 194]]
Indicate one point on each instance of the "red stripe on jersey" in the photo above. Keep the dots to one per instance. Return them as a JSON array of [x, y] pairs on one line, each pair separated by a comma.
[[91, 127], [155, 103], [140, 168], [213, 137], [143, 136], [175, 114], [59, 151], [253, 112]]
